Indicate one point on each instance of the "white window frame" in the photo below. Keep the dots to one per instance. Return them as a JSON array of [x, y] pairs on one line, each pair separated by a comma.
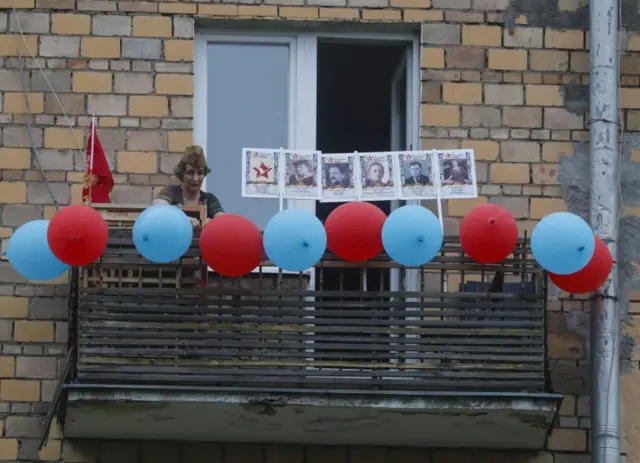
[[302, 89]]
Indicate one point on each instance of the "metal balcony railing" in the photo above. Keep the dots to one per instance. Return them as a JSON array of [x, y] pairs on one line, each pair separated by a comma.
[[452, 325]]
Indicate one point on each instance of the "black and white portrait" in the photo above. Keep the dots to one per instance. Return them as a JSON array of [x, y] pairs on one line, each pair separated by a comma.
[[301, 179], [377, 176], [338, 177], [457, 173], [416, 175]]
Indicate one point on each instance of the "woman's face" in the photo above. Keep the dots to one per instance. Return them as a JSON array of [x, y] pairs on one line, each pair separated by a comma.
[[193, 178]]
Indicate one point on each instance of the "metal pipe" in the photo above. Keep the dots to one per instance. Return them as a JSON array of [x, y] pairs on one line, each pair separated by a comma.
[[604, 129]]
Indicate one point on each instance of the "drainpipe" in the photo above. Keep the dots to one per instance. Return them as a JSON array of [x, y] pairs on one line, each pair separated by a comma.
[[605, 212]]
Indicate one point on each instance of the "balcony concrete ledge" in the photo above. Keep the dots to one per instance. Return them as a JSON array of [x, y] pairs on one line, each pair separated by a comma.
[[492, 421]]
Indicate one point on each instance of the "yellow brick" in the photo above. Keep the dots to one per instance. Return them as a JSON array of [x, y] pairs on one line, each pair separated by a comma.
[[411, 3], [423, 15], [76, 193], [137, 162], [7, 367], [508, 173], [549, 60], [15, 158], [9, 44], [568, 407], [148, 105], [17, 3], [633, 43], [630, 211], [15, 103], [174, 84], [629, 98], [553, 149], [262, 11], [543, 95], [32, 331], [461, 93], [179, 140], [9, 447], [6, 232], [55, 432], [13, 192], [178, 50], [488, 36], [100, 47], [178, 8], [151, 26], [298, 12], [432, 58], [568, 440], [14, 307], [75, 177], [438, 144], [461, 207], [52, 451], [570, 5], [541, 207], [63, 138], [508, 60], [381, 15], [16, 390], [339, 13], [218, 10], [108, 122], [50, 211], [484, 150], [92, 82], [440, 115], [565, 39], [71, 24]]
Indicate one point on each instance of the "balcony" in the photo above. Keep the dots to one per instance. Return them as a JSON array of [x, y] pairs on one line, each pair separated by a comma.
[[449, 355]]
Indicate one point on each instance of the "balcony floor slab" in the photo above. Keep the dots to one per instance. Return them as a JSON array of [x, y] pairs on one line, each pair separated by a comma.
[[513, 421]]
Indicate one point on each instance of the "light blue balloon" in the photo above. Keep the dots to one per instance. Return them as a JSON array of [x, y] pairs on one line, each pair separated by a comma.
[[562, 243], [29, 253], [412, 235], [162, 233], [294, 240]]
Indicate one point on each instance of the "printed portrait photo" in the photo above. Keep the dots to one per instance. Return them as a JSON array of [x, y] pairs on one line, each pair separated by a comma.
[[456, 172], [337, 175], [300, 172], [376, 174], [416, 172]]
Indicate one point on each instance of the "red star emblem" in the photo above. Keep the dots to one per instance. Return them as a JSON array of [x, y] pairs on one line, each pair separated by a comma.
[[263, 171]]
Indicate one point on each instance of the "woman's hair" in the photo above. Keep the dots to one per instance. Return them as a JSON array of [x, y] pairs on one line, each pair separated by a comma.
[[192, 156]]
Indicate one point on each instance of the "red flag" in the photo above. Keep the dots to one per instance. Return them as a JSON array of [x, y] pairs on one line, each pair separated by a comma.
[[98, 181]]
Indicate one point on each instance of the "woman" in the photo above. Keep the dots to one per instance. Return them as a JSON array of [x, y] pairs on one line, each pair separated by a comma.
[[191, 171]]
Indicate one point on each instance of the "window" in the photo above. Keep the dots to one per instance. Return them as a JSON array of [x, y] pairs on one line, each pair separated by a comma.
[[247, 105]]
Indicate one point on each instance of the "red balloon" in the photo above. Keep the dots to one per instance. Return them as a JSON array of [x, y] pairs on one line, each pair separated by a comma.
[[77, 235], [590, 277], [354, 231], [231, 245], [488, 234]]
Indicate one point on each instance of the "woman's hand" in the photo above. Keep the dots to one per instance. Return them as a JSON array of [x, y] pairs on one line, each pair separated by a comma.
[[195, 222]]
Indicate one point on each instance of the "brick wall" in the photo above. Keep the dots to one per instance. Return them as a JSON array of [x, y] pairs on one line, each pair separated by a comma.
[[515, 95]]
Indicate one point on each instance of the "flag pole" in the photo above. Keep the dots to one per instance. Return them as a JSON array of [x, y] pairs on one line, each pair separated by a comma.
[[93, 142]]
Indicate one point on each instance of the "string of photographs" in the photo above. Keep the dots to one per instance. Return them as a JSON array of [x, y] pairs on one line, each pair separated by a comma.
[[384, 176]]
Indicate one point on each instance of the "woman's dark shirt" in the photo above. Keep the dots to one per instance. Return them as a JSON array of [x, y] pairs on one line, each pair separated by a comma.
[[173, 195]]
